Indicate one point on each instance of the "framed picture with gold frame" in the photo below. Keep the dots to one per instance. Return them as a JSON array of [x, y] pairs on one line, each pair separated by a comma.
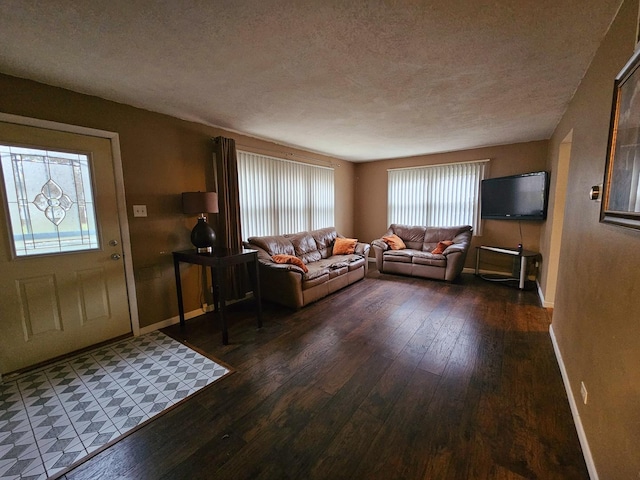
[[621, 187]]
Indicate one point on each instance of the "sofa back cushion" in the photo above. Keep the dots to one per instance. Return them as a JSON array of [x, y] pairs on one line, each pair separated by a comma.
[[304, 246], [458, 234], [412, 236], [325, 237], [274, 245]]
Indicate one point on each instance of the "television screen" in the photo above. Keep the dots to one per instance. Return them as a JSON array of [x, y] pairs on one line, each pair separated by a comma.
[[517, 197]]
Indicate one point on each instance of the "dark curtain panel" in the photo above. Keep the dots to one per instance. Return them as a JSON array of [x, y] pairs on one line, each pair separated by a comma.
[[229, 228]]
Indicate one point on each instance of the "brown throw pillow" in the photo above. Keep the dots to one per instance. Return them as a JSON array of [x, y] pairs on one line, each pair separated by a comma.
[[344, 246], [394, 241], [441, 247], [292, 259]]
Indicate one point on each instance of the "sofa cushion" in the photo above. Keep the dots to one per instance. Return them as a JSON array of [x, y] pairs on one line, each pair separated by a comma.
[[317, 275], [355, 262], [324, 238], [433, 235], [412, 236], [344, 246], [274, 245], [428, 258], [394, 241], [401, 256], [292, 259], [305, 246], [337, 270]]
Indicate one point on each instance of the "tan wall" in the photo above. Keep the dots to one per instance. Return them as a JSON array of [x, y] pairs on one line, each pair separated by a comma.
[[596, 319], [162, 157], [371, 196]]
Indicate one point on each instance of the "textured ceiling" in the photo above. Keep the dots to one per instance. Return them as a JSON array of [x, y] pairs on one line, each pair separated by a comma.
[[358, 80]]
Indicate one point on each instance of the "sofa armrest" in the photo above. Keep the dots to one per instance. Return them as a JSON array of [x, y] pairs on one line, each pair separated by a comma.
[[381, 244], [454, 248], [379, 247], [363, 249], [281, 283], [455, 264]]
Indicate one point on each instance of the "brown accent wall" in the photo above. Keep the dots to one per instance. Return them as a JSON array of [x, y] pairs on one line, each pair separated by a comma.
[[162, 156], [371, 196], [596, 319]]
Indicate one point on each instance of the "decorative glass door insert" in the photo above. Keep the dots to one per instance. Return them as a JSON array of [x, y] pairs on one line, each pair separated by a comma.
[[50, 200]]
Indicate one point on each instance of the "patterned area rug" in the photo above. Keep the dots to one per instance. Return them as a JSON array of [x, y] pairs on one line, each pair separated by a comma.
[[55, 417]]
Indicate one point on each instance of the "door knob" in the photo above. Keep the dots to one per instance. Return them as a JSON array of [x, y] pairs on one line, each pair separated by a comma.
[[113, 243], [115, 256]]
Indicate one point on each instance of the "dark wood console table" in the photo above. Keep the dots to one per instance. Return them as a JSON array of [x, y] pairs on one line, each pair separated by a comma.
[[524, 256], [218, 261]]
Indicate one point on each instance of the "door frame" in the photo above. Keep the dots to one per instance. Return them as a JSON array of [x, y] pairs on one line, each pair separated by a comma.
[[123, 221]]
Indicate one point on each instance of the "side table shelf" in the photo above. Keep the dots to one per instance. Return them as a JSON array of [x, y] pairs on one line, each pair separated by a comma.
[[525, 255]]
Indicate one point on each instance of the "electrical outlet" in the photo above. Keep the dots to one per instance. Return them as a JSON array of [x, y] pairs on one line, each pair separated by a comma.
[[139, 210], [583, 392]]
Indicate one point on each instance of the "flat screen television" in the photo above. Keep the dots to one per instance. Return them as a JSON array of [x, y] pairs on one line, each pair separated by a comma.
[[517, 197]]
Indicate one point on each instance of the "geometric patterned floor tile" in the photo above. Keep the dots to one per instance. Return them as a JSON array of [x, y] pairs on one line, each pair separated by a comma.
[[59, 414]]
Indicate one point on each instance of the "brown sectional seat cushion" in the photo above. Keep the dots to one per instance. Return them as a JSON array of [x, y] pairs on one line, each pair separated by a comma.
[[401, 256], [292, 259], [428, 258]]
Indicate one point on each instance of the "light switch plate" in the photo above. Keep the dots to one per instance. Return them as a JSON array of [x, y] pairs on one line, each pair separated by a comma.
[[139, 210]]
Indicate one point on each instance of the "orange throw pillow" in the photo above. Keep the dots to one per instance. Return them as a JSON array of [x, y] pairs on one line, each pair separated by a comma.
[[441, 247], [292, 259], [344, 246], [394, 241]]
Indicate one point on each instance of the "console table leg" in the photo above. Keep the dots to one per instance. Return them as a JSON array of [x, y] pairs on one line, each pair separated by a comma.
[[222, 293], [176, 267], [256, 291], [523, 271]]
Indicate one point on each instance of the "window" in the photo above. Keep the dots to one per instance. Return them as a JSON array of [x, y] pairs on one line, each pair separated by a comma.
[[50, 200], [279, 196], [437, 195]]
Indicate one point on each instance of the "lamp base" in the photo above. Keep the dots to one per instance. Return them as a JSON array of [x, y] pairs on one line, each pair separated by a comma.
[[203, 236]]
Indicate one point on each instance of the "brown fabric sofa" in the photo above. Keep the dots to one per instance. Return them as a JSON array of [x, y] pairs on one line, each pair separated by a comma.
[[417, 260], [288, 284]]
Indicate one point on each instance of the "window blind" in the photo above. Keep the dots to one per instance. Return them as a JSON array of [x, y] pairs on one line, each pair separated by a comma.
[[438, 195], [280, 196]]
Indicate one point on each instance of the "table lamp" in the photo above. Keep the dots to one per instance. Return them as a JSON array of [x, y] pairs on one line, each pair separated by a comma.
[[203, 236]]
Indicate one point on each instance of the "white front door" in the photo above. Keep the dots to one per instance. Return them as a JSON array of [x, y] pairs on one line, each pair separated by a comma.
[[62, 280]]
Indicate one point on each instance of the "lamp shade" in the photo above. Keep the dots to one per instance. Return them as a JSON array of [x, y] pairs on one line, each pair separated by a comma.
[[200, 202]]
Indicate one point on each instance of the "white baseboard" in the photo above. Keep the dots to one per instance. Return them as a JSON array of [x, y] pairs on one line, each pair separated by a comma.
[[172, 321], [544, 303], [193, 313], [582, 436]]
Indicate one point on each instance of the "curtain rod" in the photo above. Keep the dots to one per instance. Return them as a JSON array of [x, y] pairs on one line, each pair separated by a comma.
[[248, 148], [439, 165]]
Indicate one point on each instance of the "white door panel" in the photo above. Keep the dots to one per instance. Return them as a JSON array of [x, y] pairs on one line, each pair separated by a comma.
[[55, 303]]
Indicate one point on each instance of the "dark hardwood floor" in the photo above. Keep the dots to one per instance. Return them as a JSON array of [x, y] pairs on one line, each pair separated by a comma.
[[392, 377]]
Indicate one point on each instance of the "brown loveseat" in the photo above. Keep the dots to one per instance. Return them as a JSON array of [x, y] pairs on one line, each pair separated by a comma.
[[417, 258], [288, 284]]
